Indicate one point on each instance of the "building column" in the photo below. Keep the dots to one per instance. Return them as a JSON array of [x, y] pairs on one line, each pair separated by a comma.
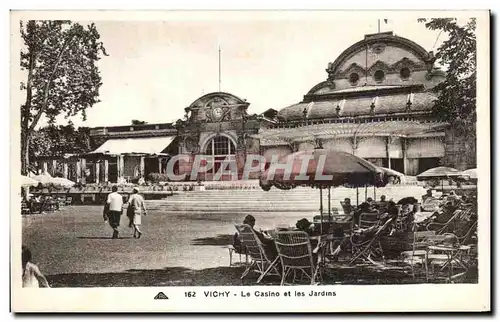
[[106, 170], [54, 167], [120, 166], [44, 167], [141, 168], [78, 170], [159, 165], [97, 171], [84, 170], [387, 148], [65, 169], [405, 159]]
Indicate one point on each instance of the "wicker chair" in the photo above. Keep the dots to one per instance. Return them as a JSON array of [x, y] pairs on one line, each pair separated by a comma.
[[259, 262], [296, 255]]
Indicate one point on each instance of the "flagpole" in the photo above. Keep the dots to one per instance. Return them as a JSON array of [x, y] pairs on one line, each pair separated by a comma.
[[219, 69], [378, 25]]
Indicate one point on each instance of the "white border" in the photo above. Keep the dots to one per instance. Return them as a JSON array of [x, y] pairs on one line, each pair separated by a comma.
[[349, 298]]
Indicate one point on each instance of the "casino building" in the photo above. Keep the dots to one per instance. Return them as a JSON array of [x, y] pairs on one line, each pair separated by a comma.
[[375, 102]]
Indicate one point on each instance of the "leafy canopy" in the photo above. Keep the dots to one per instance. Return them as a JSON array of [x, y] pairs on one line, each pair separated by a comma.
[[60, 58], [456, 101]]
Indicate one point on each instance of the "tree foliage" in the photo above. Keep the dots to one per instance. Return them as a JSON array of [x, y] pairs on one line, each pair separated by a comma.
[[138, 122], [60, 140], [62, 76], [456, 101]]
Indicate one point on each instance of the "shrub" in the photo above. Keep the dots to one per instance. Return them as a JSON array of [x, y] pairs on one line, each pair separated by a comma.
[[157, 177]]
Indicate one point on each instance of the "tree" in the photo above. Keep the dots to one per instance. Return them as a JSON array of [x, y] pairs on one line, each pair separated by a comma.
[[60, 58], [60, 140], [138, 122], [456, 102]]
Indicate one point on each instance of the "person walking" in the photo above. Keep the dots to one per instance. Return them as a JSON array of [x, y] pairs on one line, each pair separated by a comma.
[[136, 208], [32, 277], [113, 210]]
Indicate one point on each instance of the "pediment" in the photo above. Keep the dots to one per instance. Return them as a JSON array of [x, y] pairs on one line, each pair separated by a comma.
[[379, 65], [353, 68], [406, 62]]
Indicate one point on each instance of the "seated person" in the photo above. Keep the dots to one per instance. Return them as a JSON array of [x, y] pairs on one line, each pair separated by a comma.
[[427, 195], [305, 226], [453, 197], [370, 201], [267, 241], [382, 204], [362, 208], [346, 205]]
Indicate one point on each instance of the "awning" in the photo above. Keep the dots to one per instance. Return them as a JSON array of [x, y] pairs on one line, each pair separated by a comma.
[[154, 145], [277, 136]]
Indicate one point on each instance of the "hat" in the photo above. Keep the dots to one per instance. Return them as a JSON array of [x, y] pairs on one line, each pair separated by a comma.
[[135, 189]]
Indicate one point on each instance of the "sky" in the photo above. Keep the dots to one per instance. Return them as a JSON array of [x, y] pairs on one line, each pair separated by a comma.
[[157, 68]]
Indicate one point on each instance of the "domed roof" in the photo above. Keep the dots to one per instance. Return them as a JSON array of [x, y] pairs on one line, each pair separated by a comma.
[[371, 100], [379, 75]]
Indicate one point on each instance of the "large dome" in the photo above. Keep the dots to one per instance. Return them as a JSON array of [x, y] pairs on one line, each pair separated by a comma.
[[381, 74]]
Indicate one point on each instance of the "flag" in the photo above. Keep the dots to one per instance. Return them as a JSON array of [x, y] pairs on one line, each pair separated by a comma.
[[385, 20]]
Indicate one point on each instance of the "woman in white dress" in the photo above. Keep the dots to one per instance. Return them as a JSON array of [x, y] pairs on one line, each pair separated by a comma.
[[32, 277]]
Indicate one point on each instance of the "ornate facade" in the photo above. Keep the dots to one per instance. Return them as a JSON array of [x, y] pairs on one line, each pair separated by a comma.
[[376, 102]]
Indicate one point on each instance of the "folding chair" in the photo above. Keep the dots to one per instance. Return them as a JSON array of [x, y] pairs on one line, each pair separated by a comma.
[[370, 247], [259, 262], [368, 219], [296, 255], [346, 208]]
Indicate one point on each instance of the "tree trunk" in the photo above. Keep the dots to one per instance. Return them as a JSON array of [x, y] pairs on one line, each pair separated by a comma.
[[25, 161]]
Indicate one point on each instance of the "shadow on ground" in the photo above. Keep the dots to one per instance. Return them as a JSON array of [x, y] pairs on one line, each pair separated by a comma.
[[220, 240], [222, 276]]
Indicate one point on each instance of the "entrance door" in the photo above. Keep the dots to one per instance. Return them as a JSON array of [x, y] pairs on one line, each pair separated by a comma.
[[220, 149]]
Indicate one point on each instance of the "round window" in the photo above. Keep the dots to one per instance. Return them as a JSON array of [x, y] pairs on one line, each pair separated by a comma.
[[405, 73], [379, 76], [353, 78]]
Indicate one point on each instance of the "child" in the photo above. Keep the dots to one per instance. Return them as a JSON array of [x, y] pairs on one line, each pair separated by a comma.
[[32, 277]]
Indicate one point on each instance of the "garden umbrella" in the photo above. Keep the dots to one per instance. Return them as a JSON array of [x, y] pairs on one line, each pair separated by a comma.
[[470, 174], [325, 168], [322, 168], [44, 179], [28, 182], [393, 173], [62, 182], [439, 173]]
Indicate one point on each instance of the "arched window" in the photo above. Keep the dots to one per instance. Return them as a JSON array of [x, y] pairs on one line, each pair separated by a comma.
[[220, 146], [220, 149], [379, 76], [405, 73], [353, 78]]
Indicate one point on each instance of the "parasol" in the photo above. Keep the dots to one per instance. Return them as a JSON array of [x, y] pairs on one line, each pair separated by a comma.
[[62, 182], [28, 182], [439, 173], [47, 181], [322, 168], [44, 179], [470, 174], [393, 173]]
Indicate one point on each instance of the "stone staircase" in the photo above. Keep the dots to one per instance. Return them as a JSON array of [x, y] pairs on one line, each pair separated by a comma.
[[301, 199]]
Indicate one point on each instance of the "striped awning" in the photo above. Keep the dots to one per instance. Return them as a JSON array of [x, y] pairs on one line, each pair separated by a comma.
[[400, 128]]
